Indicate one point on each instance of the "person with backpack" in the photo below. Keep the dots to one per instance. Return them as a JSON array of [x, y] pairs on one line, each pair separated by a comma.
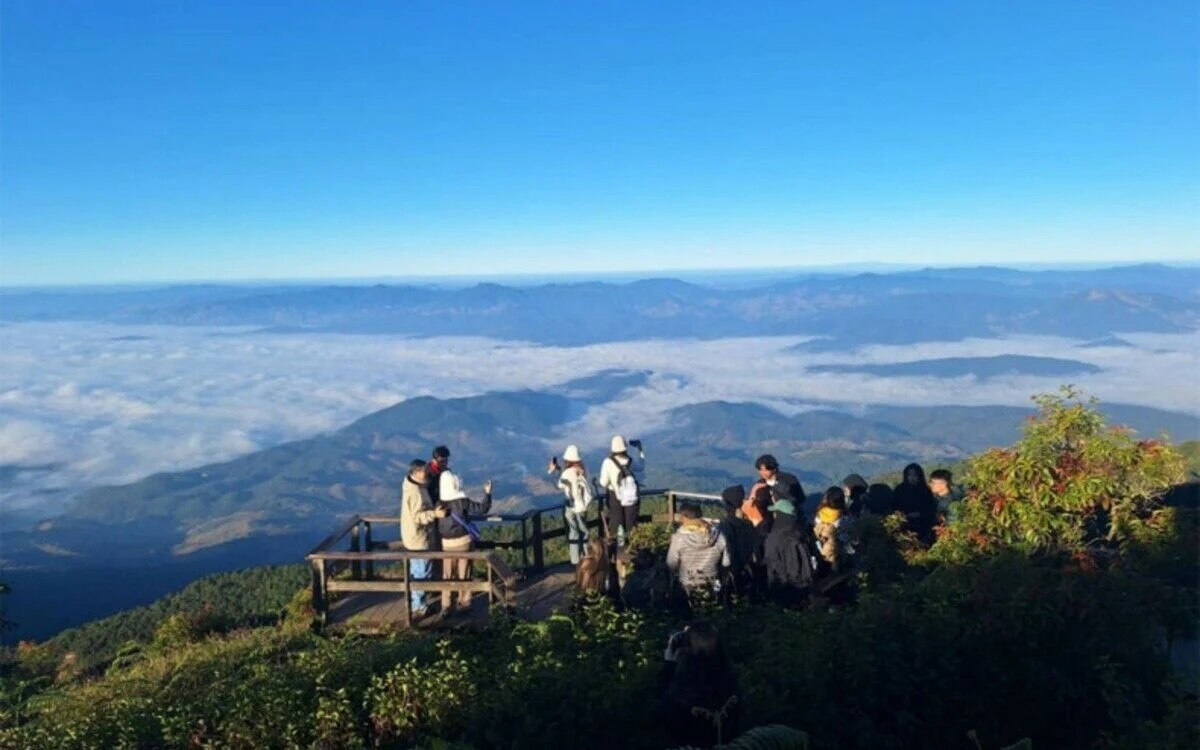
[[437, 464], [457, 531], [578, 495], [418, 528], [788, 557], [620, 478]]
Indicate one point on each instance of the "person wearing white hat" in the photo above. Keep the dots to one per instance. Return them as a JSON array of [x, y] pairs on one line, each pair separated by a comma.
[[456, 530], [578, 495], [620, 478]]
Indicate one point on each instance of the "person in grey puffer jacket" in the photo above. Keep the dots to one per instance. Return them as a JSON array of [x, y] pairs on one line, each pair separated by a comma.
[[698, 551]]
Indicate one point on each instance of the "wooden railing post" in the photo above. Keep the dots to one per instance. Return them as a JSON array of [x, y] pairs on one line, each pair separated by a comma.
[[408, 593], [320, 604], [355, 546], [539, 554], [670, 506], [370, 564], [524, 546]]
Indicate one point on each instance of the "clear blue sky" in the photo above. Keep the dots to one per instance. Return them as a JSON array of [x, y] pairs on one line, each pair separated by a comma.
[[214, 140]]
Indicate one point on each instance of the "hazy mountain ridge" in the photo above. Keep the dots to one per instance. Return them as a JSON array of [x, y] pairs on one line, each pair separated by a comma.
[[927, 305]]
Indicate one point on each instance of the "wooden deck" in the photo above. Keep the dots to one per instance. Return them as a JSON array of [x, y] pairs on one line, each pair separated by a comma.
[[372, 611]]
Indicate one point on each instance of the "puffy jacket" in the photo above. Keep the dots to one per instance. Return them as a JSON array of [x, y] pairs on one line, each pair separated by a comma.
[[418, 520], [789, 560], [696, 554]]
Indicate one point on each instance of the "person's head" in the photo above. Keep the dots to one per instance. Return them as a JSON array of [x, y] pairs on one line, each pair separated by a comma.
[[416, 470], [854, 485], [767, 466], [914, 475], [617, 445], [689, 512], [572, 457], [940, 481], [733, 497], [835, 498], [703, 640], [643, 559], [441, 455]]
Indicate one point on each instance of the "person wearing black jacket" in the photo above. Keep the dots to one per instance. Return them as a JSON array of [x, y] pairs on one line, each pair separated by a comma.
[[774, 485], [700, 700], [744, 544], [787, 553], [457, 531], [855, 488], [915, 500]]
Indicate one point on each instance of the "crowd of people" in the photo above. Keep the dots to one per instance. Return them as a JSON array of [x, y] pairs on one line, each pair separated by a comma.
[[767, 546]]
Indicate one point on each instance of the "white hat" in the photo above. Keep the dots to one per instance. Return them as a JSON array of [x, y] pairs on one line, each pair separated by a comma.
[[451, 487], [572, 453], [618, 444]]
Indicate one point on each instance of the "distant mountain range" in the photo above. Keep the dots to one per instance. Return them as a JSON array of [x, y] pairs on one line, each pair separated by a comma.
[[271, 505], [958, 367], [845, 311]]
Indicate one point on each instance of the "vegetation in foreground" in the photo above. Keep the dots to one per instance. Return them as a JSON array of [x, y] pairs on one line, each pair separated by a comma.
[[1045, 612]]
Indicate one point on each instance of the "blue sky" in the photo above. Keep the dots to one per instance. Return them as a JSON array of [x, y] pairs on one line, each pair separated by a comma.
[[222, 140]]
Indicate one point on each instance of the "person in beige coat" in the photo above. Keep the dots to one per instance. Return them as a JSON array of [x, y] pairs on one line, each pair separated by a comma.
[[418, 528]]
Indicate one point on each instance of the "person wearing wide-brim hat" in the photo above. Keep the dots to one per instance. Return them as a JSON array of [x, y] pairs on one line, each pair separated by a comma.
[[578, 495]]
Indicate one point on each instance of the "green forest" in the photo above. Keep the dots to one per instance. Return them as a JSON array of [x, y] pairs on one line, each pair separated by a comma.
[[1045, 615]]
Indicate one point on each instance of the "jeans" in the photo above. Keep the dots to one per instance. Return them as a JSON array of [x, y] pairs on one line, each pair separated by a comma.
[[419, 570], [577, 533]]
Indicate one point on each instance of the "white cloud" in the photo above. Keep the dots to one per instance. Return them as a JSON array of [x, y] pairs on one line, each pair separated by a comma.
[[115, 410]]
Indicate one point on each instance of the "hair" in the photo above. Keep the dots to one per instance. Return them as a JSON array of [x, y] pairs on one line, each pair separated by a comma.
[[441, 453], [689, 510], [593, 568], [733, 497], [942, 474], [767, 461], [415, 465], [643, 558], [576, 464], [914, 467], [835, 497]]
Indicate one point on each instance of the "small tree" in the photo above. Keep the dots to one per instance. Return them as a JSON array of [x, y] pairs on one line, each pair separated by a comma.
[[1070, 483]]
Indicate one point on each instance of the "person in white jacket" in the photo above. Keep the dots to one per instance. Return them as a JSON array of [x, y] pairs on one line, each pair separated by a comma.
[[578, 494], [621, 479]]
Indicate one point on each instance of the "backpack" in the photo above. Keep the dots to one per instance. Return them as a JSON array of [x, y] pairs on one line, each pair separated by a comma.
[[582, 495], [627, 486]]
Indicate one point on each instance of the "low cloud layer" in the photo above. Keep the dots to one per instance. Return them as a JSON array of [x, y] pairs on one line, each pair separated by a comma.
[[83, 404]]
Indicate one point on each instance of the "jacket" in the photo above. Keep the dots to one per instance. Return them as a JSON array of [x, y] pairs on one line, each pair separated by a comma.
[[457, 503], [744, 543], [418, 519], [696, 554], [836, 535], [788, 559], [567, 481]]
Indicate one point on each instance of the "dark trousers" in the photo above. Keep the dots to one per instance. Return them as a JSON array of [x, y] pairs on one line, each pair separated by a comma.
[[620, 515]]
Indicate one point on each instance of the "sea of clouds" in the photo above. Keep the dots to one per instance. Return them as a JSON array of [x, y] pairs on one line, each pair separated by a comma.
[[84, 404]]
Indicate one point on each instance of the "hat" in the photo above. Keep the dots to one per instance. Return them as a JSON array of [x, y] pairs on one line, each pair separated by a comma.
[[618, 444], [451, 487], [572, 453], [783, 506], [734, 495]]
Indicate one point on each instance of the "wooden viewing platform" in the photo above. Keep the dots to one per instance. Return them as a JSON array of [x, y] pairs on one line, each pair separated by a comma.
[[366, 585]]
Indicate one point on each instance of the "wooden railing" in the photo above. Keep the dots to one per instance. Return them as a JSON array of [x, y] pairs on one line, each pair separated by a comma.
[[365, 551]]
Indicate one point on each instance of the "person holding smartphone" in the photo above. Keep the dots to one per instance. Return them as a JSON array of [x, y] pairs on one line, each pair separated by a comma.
[[578, 495], [621, 479], [457, 532]]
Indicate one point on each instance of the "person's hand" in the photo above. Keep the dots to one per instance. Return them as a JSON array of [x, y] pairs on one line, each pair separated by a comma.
[[440, 513], [758, 487], [487, 487], [553, 465]]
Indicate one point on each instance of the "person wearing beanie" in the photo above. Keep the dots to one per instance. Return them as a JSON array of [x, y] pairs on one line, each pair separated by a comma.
[[578, 494], [620, 479], [788, 556], [457, 531], [745, 546]]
